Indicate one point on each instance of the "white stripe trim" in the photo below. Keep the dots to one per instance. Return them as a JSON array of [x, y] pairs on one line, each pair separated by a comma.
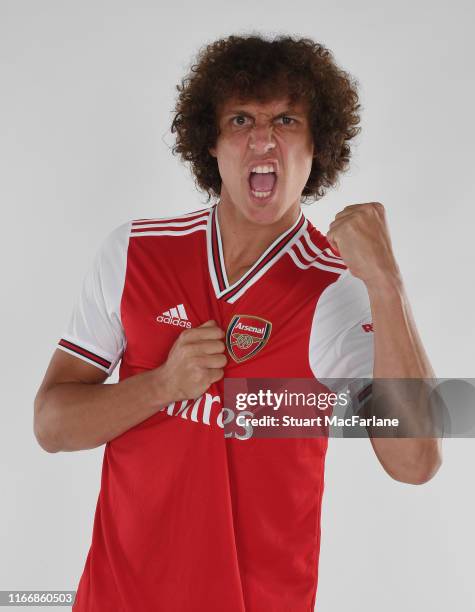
[[309, 258], [331, 258], [176, 224], [169, 233], [325, 254], [303, 252], [315, 264], [320, 254], [311, 245], [221, 252], [209, 251], [184, 215]]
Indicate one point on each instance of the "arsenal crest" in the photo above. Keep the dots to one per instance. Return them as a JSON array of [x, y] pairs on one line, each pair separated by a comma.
[[246, 336]]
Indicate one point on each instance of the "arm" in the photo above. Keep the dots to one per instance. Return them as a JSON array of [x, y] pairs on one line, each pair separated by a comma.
[[399, 353], [361, 235], [74, 411]]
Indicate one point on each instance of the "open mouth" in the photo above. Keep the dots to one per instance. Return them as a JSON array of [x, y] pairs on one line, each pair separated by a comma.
[[262, 181]]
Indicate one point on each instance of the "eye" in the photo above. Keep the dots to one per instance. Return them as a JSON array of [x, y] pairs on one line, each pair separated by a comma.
[[239, 120], [286, 120]]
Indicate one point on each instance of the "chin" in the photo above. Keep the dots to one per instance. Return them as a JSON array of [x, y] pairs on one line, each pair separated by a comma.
[[263, 213], [267, 213]]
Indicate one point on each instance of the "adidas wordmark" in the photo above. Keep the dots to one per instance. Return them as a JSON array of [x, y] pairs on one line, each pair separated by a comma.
[[175, 316]]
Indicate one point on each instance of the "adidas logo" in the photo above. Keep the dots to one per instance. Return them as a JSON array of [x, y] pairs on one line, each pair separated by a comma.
[[175, 316]]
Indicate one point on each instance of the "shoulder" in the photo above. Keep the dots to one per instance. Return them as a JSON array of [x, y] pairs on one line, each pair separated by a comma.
[[178, 225], [116, 242], [347, 296], [312, 251], [111, 254], [319, 241], [117, 238]]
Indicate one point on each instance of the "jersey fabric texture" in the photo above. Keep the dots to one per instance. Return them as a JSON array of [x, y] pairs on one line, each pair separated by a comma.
[[190, 518]]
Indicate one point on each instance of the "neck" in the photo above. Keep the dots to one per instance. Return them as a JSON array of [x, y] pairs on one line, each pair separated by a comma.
[[244, 241]]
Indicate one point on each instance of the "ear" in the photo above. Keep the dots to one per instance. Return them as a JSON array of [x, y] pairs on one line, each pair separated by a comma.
[[212, 152]]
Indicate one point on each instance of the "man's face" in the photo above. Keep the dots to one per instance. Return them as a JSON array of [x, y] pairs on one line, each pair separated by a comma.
[[263, 136]]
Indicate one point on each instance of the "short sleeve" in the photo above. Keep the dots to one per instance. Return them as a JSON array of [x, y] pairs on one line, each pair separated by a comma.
[[341, 341], [94, 332]]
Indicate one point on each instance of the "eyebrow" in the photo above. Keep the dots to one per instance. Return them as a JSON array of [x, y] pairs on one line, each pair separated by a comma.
[[288, 111]]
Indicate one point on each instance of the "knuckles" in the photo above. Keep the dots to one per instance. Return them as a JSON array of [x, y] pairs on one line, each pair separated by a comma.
[[364, 207], [184, 335], [223, 360], [357, 212], [196, 361]]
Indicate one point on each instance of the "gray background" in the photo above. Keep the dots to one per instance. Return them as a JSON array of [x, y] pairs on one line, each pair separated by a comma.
[[87, 90]]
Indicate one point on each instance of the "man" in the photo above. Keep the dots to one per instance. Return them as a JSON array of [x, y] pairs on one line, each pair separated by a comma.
[[189, 518]]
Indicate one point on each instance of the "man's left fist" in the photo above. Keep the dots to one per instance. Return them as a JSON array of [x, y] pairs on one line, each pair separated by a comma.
[[361, 236]]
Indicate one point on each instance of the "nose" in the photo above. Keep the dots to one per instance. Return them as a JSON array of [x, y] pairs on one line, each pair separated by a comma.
[[261, 139]]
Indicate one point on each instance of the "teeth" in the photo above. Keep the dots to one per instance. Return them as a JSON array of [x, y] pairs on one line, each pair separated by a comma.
[[261, 194], [263, 169]]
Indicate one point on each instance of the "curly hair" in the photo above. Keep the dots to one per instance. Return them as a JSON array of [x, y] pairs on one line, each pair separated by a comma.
[[255, 68]]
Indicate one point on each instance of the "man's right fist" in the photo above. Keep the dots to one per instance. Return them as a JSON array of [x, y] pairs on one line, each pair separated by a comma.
[[195, 360]]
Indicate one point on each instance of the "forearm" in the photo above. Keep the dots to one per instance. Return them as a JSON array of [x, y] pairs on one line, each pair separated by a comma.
[[400, 354], [398, 349], [75, 416]]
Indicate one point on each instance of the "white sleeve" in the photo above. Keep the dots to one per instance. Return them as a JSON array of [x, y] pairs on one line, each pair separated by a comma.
[[95, 333], [341, 340]]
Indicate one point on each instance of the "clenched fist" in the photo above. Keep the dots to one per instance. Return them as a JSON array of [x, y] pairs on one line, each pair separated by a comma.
[[359, 233], [195, 360]]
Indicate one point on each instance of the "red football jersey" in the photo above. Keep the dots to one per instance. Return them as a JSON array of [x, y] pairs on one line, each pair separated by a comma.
[[190, 518]]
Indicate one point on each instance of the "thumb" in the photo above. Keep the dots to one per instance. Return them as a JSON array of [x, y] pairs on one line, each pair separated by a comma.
[[209, 323]]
